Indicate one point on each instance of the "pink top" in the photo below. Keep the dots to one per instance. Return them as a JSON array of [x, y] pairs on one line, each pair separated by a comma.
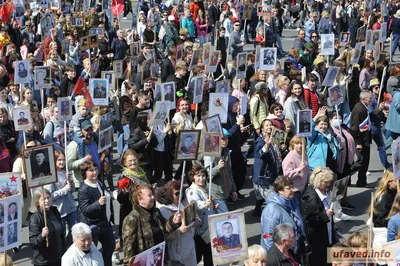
[[24, 51], [201, 26], [291, 162]]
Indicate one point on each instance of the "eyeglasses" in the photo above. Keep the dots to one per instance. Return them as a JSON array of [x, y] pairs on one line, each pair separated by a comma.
[[314, 36]]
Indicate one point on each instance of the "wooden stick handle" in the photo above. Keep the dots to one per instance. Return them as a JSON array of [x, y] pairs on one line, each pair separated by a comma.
[[303, 149], [5, 257], [45, 217]]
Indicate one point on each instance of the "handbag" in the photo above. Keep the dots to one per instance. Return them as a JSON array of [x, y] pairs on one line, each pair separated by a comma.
[[99, 227]]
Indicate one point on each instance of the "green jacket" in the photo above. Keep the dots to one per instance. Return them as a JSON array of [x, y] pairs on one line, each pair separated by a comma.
[[171, 35], [137, 234]]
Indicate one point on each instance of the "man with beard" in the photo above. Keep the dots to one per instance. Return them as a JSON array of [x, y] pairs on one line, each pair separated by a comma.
[[79, 150]]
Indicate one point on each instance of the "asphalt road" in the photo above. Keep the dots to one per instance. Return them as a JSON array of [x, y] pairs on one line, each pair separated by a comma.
[[360, 197]]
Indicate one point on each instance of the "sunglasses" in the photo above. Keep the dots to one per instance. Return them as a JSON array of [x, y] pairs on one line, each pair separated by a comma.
[[278, 109]]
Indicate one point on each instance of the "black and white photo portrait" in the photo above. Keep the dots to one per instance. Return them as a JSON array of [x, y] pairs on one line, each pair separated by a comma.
[[242, 65], [327, 44], [304, 118], [12, 211], [168, 93], [42, 77], [99, 90], [331, 75], [22, 72], [40, 164], [228, 233], [64, 108], [21, 117], [335, 95], [213, 124], [12, 233], [268, 58]]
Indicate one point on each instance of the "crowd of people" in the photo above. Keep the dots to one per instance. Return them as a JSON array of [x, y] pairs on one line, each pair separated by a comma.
[[292, 176]]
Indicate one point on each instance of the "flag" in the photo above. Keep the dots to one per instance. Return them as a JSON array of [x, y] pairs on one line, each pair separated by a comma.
[[82, 89], [364, 124], [117, 7], [6, 10]]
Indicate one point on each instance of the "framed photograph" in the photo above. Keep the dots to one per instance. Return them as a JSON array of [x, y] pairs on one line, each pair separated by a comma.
[[361, 32], [168, 93], [64, 108], [213, 64], [327, 44], [257, 59], [10, 185], [106, 121], [22, 72], [146, 70], [198, 84], [228, 237], [189, 215], [188, 145], [268, 58], [376, 36], [22, 118], [105, 139], [248, 8], [155, 69], [218, 104], [383, 34], [151, 55], [278, 136], [118, 68], [344, 38], [339, 189], [212, 144], [160, 113], [179, 53], [242, 65], [396, 158], [331, 76], [157, 92], [356, 53], [335, 95], [84, 41], [42, 77], [39, 165], [213, 124], [65, 47], [77, 22], [223, 86], [98, 89], [135, 48], [93, 41], [195, 59], [243, 104], [206, 53], [110, 77], [152, 256], [11, 222], [54, 5], [303, 122]]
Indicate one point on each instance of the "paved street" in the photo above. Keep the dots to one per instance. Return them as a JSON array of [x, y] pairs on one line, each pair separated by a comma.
[[360, 197]]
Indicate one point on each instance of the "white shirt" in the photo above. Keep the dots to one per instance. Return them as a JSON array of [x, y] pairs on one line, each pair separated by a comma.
[[325, 200], [76, 257]]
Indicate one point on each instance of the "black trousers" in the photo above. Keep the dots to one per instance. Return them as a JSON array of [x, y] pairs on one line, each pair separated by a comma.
[[364, 156], [161, 165], [178, 173], [239, 169], [203, 250]]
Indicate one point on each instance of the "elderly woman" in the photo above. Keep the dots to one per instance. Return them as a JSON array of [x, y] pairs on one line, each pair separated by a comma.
[[267, 164], [318, 216], [197, 193], [293, 103], [145, 226], [48, 243], [282, 207], [95, 209], [180, 242], [257, 256], [323, 148], [82, 236], [294, 168], [188, 23]]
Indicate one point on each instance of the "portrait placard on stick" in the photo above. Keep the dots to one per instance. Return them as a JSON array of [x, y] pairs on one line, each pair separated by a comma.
[[105, 139], [335, 95], [160, 113], [278, 136], [188, 145], [212, 144], [241, 65], [223, 86], [10, 185], [268, 58], [356, 53], [118, 68], [168, 93], [64, 108], [22, 72], [304, 122], [218, 104], [213, 124], [198, 83], [179, 53], [39, 165], [331, 76], [327, 44], [10, 222], [22, 118], [152, 256], [42, 77], [243, 104], [99, 91], [206, 53], [189, 215], [195, 59], [228, 237], [110, 77], [212, 66]]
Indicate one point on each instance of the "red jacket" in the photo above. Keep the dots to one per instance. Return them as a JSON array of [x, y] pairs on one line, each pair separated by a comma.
[[312, 100]]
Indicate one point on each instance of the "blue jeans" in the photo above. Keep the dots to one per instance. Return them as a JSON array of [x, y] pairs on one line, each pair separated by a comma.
[[212, 39], [396, 38], [71, 219], [378, 138], [279, 43], [390, 137], [203, 40], [222, 207]]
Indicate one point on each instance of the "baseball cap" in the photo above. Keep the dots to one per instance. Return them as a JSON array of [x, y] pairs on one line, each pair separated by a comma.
[[309, 46], [225, 132], [261, 85], [86, 124]]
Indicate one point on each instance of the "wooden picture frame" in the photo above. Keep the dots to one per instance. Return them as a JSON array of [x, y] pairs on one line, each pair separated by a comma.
[[188, 145]]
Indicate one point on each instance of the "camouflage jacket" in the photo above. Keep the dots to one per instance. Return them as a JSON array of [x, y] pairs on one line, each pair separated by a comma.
[[171, 35], [137, 234]]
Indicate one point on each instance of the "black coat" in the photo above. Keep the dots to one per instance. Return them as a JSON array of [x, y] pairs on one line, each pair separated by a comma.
[[138, 143], [315, 224], [276, 258], [43, 255], [213, 14], [167, 69], [382, 208], [358, 115]]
